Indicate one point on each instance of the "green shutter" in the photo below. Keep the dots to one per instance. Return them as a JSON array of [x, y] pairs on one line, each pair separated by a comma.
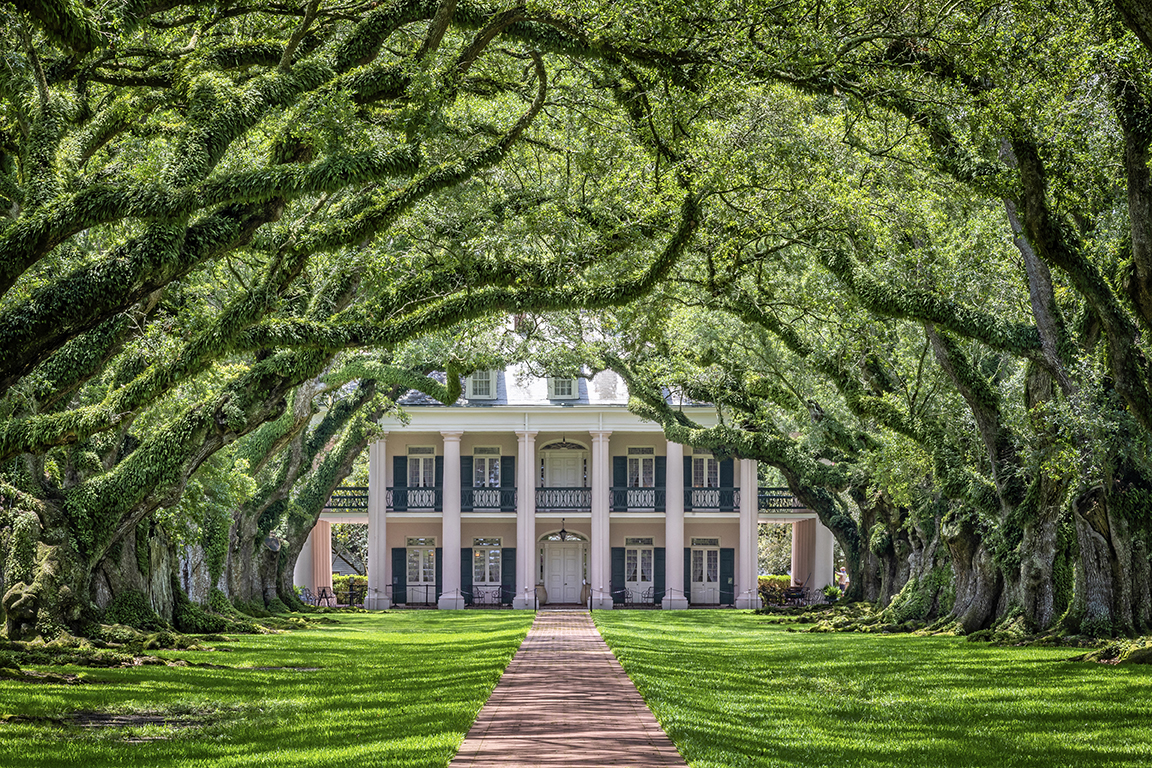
[[619, 480], [467, 500], [727, 576], [617, 581], [727, 480], [439, 572], [399, 483], [507, 574], [658, 565], [466, 574], [399, 574], [508, 480], [661, 482]]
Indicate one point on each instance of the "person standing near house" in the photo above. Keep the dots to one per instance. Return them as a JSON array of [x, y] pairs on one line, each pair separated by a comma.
[[842, 579]]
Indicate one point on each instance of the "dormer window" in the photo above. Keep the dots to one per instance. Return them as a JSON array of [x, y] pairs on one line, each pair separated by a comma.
[[481, 385], [562, 388]]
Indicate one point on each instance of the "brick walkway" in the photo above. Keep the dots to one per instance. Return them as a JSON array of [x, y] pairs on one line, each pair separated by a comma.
[[565, 701]]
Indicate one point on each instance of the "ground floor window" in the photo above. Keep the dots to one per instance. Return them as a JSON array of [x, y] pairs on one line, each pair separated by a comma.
[[421, 560], [486, 561], [638, 561]]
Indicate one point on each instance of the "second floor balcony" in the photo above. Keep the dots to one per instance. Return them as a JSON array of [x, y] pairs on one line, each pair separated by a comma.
[[620, 499]]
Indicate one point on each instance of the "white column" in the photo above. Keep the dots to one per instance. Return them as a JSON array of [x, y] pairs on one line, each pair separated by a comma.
[[525, 520], [803, 544], [322, 555], [747, 576], [599, 548], [674, 597], [302, 573], [450, 568], [822, 557], [379, 569]]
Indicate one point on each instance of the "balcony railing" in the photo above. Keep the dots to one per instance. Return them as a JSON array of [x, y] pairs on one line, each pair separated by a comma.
[[620, 499], [778, 498], [563, 498], [416, 498], [722, 499], [488, 498], [348, 497], [638, 498]]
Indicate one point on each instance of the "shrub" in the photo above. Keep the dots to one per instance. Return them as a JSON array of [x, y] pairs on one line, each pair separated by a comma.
[[132, 609], [772, 589], [190, 617], [340, 584]]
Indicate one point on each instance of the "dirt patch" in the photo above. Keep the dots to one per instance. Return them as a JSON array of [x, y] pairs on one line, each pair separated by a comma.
[[29, 676], [160, 726]]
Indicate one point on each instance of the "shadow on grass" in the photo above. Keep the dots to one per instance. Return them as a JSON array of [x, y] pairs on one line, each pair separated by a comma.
[[732, 690], [391, 690]]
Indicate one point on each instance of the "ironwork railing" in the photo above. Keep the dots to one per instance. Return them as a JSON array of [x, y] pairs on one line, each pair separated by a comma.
[[348, 497], [421, 594], [563, 498], [488, 498], [415, 498], [488, 597], [638, 498], [725, 499], [778, 498]]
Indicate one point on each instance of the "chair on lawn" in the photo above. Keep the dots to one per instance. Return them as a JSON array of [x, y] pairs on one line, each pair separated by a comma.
[[307, 596], [325, 595], [798, 594]]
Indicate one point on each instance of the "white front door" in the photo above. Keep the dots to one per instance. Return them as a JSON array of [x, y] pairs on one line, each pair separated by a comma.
[[563, 571], [705, 576]]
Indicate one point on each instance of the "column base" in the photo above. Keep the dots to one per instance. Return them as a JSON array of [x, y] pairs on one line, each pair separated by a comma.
[[674, 603], [449, 602], [381, 603], [602, 603], [523, 603], [750, 602]]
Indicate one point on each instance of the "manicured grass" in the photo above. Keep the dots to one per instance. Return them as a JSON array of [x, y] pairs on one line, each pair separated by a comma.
[[396, 689], [733, 689]]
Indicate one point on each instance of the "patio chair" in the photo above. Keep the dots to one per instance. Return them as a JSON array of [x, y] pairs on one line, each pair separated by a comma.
[[325, 595], [307, 597]]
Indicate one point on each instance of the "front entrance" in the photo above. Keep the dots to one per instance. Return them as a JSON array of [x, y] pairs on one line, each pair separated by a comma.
[[705, 576], [564, 570]]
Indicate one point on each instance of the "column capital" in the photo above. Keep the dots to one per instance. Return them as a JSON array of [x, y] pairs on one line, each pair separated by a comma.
[[600, 435], [527, 434], [453, 436]]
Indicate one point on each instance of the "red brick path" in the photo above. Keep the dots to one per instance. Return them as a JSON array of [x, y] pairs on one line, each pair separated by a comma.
[[565, 701]]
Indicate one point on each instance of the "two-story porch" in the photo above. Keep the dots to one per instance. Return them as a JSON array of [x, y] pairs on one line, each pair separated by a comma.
[[566, 501]]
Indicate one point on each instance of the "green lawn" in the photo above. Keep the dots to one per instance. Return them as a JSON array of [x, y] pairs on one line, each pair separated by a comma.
[[397, 689], [733, 689]]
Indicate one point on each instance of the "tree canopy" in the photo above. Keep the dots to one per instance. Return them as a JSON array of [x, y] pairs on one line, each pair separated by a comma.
[[906, 251]]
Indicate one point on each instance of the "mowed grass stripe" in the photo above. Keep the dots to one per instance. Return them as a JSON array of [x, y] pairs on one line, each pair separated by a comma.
[[735, 689], [396, 689]]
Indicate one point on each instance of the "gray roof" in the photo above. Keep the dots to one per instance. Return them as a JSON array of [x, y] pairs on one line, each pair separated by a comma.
[[515, 387]]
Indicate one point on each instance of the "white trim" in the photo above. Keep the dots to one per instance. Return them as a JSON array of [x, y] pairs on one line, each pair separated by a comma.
[[470, 385], [535, 418], [574, 393]]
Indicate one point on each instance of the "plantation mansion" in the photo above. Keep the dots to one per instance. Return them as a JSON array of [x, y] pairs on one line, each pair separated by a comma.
[[548, 489]]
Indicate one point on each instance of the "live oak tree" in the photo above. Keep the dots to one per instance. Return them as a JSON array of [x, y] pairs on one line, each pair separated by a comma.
[[207, 205]]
